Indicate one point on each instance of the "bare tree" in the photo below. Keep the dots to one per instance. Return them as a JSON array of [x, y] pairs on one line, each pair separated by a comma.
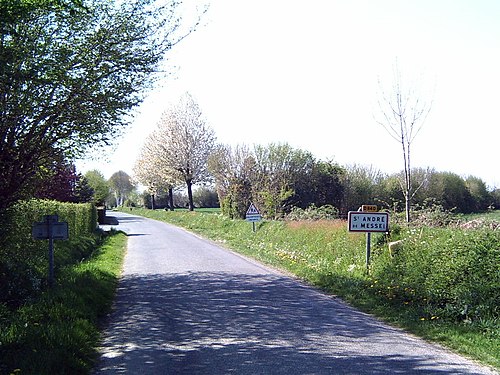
[[402, 114], [181, 145]]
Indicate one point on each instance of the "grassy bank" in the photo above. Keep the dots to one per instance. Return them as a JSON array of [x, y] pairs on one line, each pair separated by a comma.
[[443, 285], [57, 332]]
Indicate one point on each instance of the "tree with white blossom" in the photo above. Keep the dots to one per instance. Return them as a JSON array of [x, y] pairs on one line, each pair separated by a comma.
[[149, 172], [179, 148]]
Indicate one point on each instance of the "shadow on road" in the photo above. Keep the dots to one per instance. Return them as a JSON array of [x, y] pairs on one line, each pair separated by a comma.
[[111, 221], [219, 323]]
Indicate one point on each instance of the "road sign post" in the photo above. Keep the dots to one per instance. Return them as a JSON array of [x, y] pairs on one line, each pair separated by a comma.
[[369, 208], [253, 215], [368, 222], [360, 221], [51, 229]]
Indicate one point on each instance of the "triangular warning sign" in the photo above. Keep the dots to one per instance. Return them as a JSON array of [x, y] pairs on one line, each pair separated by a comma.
[[252, 210]]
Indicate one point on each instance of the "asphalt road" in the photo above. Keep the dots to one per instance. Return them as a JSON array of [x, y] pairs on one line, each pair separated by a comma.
[[186, 306]]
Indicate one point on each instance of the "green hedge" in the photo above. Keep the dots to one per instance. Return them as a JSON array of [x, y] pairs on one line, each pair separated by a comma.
[[23, 260], [450, 273]]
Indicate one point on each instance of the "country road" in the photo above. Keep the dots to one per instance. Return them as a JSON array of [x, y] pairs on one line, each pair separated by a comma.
[[186, 306]]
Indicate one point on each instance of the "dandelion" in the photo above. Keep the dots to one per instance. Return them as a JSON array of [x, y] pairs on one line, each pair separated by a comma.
[[422, 319]]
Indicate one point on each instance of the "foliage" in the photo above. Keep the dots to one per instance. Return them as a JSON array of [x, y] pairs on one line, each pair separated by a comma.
[[326, 212], [450, 191], [495, 199], [233, 171], [364, 185], [360, 186], [275, 177], [59, 331], [432, 215], [481, 198], [320, 186], [236, 200], [69, 73], [23, 260], [61, 182], [148, 170], [278, 168], [205, 197], [448, 273], [99, 185]]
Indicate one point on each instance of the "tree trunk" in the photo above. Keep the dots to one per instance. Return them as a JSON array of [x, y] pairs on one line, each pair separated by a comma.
[[190, 195], [171, 198], [407, 208]]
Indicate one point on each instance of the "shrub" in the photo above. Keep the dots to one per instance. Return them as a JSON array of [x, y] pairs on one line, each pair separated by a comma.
[[448, 272], [326, 212]]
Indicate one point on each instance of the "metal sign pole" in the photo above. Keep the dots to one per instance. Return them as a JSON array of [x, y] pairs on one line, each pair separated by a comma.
[[368, 250], [50, 229], [368, 220], [49, 219], [51, 256]]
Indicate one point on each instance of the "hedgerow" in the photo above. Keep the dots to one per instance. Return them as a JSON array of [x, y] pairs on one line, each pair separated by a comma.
[[448, 273], [23, 260]]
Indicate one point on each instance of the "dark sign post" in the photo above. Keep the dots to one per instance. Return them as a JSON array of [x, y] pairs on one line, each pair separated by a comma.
[[51, 229], [368, 221]]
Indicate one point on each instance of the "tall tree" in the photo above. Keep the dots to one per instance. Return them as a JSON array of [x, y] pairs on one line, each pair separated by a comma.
[[61, 182], [121, 186], [182, 144], [70, 71], [83, 191], [360, 184], [402, 113], [99, 185], [233, 169], [479, 192], [279, 167], [449, 190], [323, 185]]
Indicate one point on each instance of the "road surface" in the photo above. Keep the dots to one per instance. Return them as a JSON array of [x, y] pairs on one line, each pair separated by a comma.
[[186, 306]]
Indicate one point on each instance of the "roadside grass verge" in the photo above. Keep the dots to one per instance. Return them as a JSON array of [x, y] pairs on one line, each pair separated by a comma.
[[444, 285], [58, 332]]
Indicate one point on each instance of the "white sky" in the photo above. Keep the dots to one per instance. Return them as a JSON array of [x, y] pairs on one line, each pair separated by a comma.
[[306, 73]]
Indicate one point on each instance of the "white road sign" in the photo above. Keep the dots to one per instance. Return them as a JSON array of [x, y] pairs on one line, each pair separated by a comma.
[[368, 221], [253, 213]]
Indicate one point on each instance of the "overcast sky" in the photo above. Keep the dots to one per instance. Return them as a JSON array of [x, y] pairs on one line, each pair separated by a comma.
[[307, 73]]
